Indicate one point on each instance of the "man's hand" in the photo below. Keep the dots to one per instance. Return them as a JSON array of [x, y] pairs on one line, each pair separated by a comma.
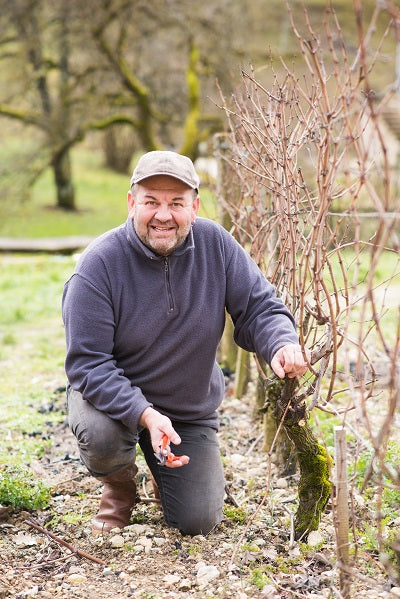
[[289, 361], [159, 425]]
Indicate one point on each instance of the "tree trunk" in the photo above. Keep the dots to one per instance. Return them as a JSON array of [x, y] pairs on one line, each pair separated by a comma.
[[314, 461], [228, 349], [242, 373], [119, 145], [63, 179], [192, 135], [282, 450]]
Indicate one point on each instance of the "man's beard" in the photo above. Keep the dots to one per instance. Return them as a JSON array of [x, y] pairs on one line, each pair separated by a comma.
[[165, 247]]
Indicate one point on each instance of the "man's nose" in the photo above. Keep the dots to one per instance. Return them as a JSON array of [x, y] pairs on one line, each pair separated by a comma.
[[163, 212]]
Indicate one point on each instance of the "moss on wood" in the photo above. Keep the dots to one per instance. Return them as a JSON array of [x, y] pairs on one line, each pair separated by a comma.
[[314, 485], [313, 459]]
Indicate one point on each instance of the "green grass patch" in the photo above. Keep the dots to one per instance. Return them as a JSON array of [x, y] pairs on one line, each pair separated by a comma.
[[32, 352]]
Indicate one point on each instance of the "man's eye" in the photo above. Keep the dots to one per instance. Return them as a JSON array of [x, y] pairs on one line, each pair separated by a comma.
[[150, 203], [177, 205]]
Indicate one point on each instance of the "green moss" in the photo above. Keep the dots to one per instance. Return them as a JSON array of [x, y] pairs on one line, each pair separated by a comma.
[[314, 490], [313, 459]]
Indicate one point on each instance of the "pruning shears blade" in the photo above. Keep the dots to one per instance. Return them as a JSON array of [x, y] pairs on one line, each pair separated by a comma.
[[161, 455], [161, 459]]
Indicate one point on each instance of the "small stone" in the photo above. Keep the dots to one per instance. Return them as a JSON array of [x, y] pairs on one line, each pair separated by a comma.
[[75, 570], [117, 541], [281, 483], [145, 542], [294, 551], [237, 459], [270, 554], [75, 579], [24, 539], [185, 585], [159, 541], [326, 575], [269, 591], [171, 579], [32, 592], [315, 538], [206, 574], [395, 591], [107, 571], [138, 529]]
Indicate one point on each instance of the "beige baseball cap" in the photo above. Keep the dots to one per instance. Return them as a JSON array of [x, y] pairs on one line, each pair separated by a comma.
[[164, 162]]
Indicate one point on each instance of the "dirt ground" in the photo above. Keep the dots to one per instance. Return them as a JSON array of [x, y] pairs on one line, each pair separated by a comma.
[[148, 560]]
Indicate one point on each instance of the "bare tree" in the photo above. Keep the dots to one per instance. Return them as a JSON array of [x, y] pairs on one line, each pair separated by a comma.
[[69, 68], [44, 83]]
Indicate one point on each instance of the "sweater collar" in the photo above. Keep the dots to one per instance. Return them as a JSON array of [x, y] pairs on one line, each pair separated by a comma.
[[139, 246]]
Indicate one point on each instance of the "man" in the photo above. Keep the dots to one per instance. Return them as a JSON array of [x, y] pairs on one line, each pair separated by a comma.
[[144, 313]]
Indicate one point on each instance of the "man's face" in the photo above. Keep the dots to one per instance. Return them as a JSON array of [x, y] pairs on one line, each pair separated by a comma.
[[162, 209]]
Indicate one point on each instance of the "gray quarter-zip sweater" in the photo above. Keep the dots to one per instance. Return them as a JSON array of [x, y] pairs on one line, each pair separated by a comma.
[[143, 329]]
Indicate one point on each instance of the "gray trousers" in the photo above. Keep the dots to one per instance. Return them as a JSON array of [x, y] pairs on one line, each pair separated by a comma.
[[192, 496]]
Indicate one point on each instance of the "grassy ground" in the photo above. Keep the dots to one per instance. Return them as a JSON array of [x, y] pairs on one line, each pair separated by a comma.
[[32, 351]]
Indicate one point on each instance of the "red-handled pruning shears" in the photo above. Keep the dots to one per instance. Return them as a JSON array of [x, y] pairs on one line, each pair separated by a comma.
[[164, 456]]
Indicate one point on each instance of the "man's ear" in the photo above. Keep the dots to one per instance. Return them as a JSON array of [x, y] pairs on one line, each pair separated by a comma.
[[131, 201], [196, 206]]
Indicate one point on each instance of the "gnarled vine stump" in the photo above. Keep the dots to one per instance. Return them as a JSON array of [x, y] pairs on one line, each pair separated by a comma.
[[313, 459]]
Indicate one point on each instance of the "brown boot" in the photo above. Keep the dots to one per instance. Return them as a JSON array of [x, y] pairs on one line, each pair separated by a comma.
[[117, 500]]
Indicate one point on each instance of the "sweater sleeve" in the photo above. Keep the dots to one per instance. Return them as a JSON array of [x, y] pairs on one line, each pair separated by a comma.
[[262, 322], [90, 365]]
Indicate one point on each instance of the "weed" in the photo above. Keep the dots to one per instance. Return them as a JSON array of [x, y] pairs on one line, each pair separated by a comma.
[[20, 489], [74, 518], [251, 485], [193, 550], [236, 514], [251, 548], [390, 495], [259, 578], [137, 519]]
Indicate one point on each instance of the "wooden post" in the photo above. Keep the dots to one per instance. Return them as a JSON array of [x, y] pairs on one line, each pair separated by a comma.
[[341, 511], [242, 373], [228, 349]]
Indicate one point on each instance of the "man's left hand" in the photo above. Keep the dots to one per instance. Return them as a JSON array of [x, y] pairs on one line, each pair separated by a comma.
[[289, 360]]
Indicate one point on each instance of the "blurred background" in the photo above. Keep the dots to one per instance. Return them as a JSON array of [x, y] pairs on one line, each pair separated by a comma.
[[86, 87]]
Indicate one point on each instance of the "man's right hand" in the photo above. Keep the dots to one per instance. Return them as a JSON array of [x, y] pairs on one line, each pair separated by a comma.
[[158, 426]]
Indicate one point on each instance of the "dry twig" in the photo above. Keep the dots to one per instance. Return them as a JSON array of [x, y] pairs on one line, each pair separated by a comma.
[[60, 541]]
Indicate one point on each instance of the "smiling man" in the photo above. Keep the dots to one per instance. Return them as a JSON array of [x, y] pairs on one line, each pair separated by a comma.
[[144, 313], [163, 210]]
